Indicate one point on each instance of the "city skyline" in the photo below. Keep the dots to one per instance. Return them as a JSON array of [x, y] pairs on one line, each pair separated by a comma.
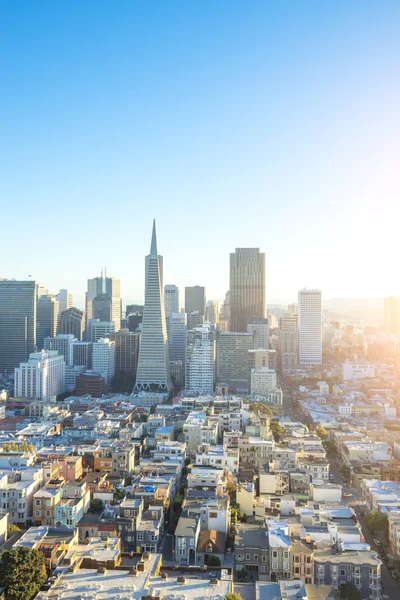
[[261, 123]]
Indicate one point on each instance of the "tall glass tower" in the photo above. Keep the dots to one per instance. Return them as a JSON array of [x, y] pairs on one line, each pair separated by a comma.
[[153, 371]]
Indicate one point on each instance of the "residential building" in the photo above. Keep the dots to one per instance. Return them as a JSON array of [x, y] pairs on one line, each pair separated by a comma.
[[110, 287], [47, 312], [310, 327], [252, 550], [153, 371], [232, 358], [195, 299], [357, 370], [260, 359], [218, 457], [64, 298], [71, 321], [200, 360], [186, 538], [198, 429], [263, 381], [259, 328], [288, 342], [247, 299], [17, 322], [103, 358], [41, 377]]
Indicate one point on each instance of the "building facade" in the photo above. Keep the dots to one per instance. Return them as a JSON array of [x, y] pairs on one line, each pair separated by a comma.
[[247, 287], [42, 377], [71, 321], [109, 286], [195, 299], [310, 327], [17, 322], [103, 358], [232, 357], [200, 360], [47, 313]]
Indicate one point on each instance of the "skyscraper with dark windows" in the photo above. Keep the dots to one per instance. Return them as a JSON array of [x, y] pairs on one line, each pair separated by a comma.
[[247, 295], [195, 299], [103, 296], [17, 322]]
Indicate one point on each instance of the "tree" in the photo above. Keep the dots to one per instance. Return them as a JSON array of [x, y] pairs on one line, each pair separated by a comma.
[[96, 506], [375, 521], [348, 591], [321, 432], [236, 514], [22, 572], [12, 529], [277, 430], [213, 561], [261, 410], [233, 596], [177, 503]]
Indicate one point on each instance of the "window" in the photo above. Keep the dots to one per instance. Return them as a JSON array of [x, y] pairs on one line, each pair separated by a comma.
[[275, 554], [255, 557], [139, 537], [308, 559], [213, 515], [342, 572], [247, 556]]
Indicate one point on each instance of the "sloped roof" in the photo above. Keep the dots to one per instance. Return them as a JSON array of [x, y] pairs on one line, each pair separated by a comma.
[[216, 538]]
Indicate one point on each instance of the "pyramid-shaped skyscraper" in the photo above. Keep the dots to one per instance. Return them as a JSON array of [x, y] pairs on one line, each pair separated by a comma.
[[153, 372]]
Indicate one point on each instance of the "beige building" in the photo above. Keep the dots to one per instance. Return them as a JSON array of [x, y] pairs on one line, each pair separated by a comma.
[[247, 287]]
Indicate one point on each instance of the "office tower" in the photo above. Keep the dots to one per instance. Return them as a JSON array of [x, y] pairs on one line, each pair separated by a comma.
[[41, 290], [247, 287], [64, 298], [177, 370], [134, 321], [42, 377], [212, 312], [100, 286], [134, 309], [92, 384], [200, 360], [71, 375], [47, 312], [63, 344], [262, 381], [97, 329], [17, 322], [103, 359], [153, 371], [232, 353], [224, 317], [392, 315], [259, 328], [292, 310], [126, 354], [288, 329], [272, 321], [72, 321], [171, 299], [177, 337], [310, 327], [102, 307], [195, 299], [82, 354], [194, 319]]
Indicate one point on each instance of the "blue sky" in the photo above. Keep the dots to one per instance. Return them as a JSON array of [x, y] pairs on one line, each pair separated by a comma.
[[268, 124]]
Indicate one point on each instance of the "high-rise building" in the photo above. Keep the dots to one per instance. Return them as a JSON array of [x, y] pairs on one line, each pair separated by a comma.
[[177, 337], [310, 327], [64, 298], [262, 381], [134, 321], [195, 299], [153, 372], [72, 321], [41, 290], [260, 330], [288, 328], [63, 344], [17, 322], [223, 323], [200, 360], [103, 358], [97, 329], [171, 299], [82, 354], [109, 286], [126, 352], [212, 312], [47, 312], [392, 315], [91, 383], [42, 377], [247, 287], [232, 356], [194, 319], [260, 359], [102, 307]]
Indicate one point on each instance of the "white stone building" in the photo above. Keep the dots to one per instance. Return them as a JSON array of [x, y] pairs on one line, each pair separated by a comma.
[[310, 327], [42, 377], [103, 358]]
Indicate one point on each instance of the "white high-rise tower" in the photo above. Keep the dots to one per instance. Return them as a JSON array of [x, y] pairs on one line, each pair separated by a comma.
[[153, 371], [310, 327]]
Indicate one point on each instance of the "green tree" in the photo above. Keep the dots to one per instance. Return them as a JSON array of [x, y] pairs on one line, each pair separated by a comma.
[[348, 591], [11, 529], [177, 503], [96, 506], [321, 432], [213, 561], [22, 572], [233, 596], [277, 430], [375, 521], [261, 410]]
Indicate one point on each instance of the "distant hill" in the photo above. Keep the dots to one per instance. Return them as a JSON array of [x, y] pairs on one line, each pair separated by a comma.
[[357, 309]]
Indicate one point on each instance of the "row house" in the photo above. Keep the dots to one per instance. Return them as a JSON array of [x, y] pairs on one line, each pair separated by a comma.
[[218, 457]]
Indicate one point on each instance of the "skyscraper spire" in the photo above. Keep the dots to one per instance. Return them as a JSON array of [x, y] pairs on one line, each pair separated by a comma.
[[153, 370], [153, 247]]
